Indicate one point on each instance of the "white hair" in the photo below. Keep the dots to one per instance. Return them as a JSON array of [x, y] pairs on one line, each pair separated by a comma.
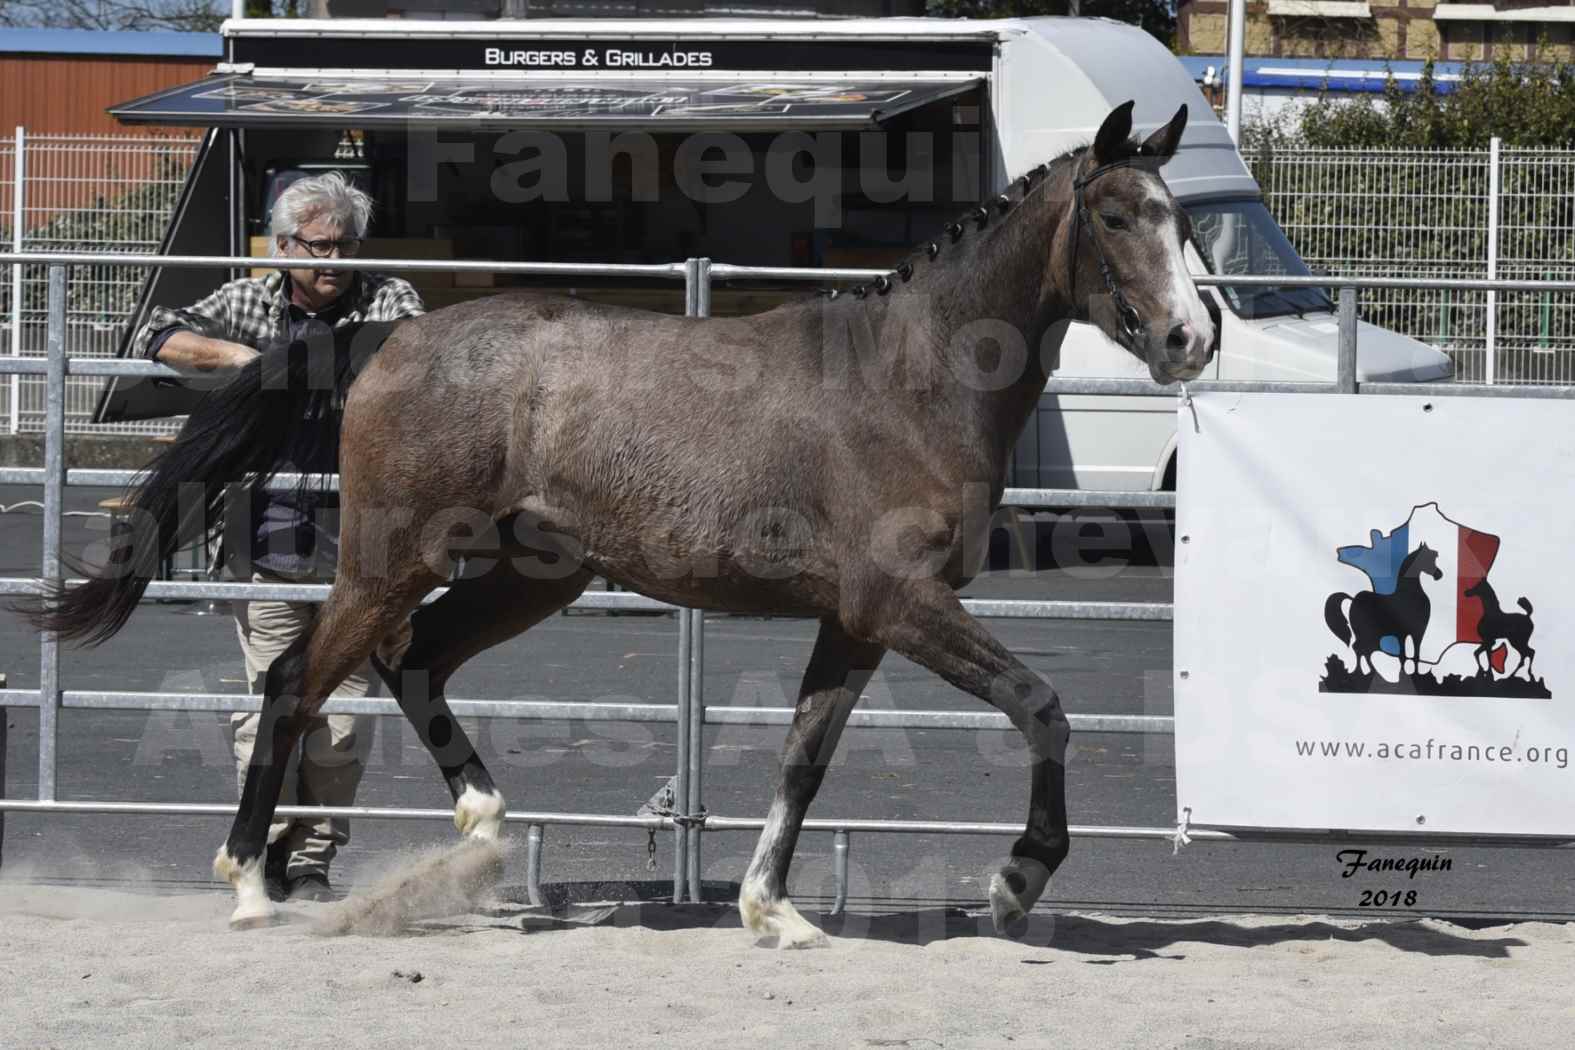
[[320, 196]]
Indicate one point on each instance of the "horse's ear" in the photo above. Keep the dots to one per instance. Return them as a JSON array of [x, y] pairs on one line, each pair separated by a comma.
[[1110, 144], [1163, 142]]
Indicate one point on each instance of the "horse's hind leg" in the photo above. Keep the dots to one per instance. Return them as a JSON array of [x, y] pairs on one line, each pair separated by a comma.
[[1527, 655], [473, 616], [356, 615], [838, 671], [1363, 653], [927, 624]]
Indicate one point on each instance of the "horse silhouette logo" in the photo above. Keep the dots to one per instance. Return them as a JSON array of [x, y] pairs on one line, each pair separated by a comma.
[[1496, 624], [1429, 594], [1377, 620]]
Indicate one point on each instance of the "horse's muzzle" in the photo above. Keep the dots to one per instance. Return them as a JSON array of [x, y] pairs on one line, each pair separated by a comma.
[[1185, 354]]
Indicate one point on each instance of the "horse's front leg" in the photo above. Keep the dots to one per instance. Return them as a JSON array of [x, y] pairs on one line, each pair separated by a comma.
[[478, 804], [477, 613], [1526, 656], [926, 623], [838, 671]]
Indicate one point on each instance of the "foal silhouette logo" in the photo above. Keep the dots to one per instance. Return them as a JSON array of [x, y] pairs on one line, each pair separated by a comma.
[[1430, 598]]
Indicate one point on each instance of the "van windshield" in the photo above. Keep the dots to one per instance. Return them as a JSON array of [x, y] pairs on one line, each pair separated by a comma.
[[1240, 237]]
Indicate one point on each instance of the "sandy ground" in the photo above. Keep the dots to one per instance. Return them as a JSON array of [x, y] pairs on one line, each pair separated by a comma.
[[83, 967]]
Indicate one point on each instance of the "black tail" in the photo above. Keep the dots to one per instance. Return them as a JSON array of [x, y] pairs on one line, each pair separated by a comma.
[[1524, 604], [1335, 619], [281, 408]]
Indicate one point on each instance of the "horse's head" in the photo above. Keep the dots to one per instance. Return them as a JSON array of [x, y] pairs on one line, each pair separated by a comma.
[[1423, 559], [1128, 274]]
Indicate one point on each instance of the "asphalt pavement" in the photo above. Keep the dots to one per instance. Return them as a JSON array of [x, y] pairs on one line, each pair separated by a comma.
[[589, 767]]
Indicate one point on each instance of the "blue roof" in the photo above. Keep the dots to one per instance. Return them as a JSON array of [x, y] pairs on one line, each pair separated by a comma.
[[1315, 74], [164, 43]]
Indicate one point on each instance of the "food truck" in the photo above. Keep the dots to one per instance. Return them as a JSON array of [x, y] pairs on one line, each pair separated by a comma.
[[771, 142]]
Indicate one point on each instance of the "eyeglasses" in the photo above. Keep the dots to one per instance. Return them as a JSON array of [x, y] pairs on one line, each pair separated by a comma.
[[322, 249]]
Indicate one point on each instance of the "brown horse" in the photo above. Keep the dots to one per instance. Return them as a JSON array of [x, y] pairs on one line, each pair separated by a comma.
[[836, 458]]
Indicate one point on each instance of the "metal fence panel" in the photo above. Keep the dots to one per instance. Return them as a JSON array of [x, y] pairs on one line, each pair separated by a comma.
[[9, 300], [1430, 213], [1537, 241], [98, 193], [1359, 213]]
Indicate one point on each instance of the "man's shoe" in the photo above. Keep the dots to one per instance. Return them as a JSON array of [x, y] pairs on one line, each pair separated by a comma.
[[274, 881], [313, 886]]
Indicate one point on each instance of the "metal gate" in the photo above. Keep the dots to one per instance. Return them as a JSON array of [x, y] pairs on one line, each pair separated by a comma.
[[688, 816]]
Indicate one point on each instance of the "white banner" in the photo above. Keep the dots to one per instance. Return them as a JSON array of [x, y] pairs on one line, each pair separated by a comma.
[[1375, 613]]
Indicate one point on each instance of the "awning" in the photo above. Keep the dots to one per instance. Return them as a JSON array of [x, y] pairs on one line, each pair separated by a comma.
[[245, 101]]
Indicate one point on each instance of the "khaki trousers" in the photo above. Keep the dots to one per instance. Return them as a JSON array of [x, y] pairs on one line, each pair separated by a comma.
[[327, 765]]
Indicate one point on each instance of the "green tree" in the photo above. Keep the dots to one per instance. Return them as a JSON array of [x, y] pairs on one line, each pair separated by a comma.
[[1523, 103]]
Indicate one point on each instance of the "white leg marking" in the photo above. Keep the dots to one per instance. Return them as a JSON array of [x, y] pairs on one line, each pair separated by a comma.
[[252, 906], [479, 814], [764, 910], [1008, 907], [768, 916]]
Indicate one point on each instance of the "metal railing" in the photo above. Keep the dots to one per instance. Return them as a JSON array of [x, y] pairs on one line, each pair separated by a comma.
[[1355, 212], [688, 816]]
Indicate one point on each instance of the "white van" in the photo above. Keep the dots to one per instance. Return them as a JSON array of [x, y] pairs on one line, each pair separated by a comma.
[[1128, 443], [441, 113]]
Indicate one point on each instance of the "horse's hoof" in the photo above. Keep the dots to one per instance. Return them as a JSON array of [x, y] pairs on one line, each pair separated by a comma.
[[1013, 891], [253, 909], [479, 814], [778, 918], [243, 919], [1013, 927], [797, 939]]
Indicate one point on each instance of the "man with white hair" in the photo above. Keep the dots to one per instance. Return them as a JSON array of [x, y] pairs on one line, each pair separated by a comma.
[[294, 534]]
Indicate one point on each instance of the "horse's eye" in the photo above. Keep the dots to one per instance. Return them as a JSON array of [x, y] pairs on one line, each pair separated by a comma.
[[1113, 222]]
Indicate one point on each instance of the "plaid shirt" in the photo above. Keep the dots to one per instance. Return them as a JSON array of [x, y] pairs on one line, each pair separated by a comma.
[[292, 532], [254, 309]]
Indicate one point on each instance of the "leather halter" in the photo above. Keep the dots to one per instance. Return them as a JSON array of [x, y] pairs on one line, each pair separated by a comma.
[[1131, 321]]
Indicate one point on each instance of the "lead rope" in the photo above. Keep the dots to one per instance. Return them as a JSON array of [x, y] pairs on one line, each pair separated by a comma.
[[1186, 403]]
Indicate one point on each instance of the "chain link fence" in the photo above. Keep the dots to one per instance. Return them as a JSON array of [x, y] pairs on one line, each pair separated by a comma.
[[1435, 214]]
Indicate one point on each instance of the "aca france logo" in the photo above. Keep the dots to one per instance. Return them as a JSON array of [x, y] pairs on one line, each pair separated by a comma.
[[1429, 604]]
